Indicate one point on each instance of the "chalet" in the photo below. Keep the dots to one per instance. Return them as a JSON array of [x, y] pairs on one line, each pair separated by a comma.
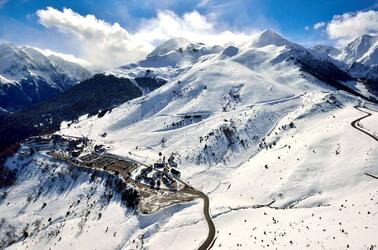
[[99, 149], [175, 172], [157, 175], [145, 171], [171, 162], [167, 182], [158, 165]]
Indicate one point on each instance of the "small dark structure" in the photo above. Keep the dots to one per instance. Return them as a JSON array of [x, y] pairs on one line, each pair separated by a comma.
[[158, 165], [175, 172]]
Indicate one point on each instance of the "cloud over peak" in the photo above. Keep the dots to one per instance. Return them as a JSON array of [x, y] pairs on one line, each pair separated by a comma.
[[346, 27], [192, 26], [110, 45]]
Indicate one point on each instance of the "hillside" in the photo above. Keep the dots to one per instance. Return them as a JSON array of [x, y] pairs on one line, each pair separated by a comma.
[[262, 145]]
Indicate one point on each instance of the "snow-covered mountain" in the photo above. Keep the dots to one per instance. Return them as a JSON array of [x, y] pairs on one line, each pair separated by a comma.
[[73, 70], [169, 59], [213, 86], [359, 58], [328, 50], [363, 49], [27, 76], [267, 130], [104, 91], [179, 55], [269, 37]]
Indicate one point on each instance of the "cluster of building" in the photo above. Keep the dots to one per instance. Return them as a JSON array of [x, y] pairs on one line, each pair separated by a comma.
[[163, 172], [69, 148], [42, 143], [160, 173]]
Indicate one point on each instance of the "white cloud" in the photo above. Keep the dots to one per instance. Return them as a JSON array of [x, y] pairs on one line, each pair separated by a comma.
[[344, 28], [100, 43], [192, 26], [307, 28], [110, 45], [319, 25]]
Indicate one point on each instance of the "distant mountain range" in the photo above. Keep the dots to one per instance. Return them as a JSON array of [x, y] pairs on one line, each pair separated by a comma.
[[28, 77], [359, 58], [363, 49]]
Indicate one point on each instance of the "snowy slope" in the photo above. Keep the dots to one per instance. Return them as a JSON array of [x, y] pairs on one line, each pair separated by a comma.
[[363, 49], [170, 45], [269, 37], [20, 62], [168, 60], [73, 70], [359, 58], [271, 145], [316, 175], [232, 84], [328, 50], [53, 204], [216, 115], [35, 77]]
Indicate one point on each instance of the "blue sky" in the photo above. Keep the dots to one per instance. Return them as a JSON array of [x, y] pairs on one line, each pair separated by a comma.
[[21, 24]]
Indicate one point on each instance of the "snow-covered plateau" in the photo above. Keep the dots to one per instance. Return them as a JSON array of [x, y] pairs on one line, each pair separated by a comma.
[[244, 147]]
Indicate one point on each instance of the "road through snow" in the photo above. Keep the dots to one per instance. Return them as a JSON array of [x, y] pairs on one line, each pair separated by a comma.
[[356, 125], [191, 190]]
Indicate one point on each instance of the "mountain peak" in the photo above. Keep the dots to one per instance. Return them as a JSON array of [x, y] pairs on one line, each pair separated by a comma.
[[269, 37], [363, 49], [269, 32], [7, 45], [169, 45], [365, 40], [6, 48], [368, 36]]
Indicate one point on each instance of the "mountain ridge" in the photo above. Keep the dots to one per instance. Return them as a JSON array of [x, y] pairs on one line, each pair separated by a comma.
[[32, 77]]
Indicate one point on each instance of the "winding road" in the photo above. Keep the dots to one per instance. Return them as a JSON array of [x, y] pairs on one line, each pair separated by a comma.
[[356, 125], [208, 243], [211, 235]]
